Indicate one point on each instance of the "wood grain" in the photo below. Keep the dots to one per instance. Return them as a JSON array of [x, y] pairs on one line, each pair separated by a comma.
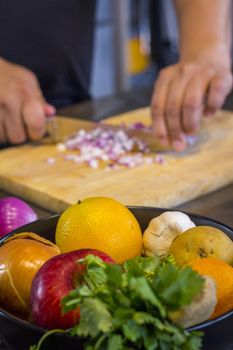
[[204, 167]]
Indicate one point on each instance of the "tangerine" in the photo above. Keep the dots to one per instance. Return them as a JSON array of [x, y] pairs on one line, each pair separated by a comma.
[[222, 273], [100, 223]]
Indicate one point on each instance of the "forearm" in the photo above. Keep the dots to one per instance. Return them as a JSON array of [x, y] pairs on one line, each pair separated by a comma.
[[204, 28]]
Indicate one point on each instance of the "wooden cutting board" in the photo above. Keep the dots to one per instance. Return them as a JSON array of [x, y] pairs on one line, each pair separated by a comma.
[[203, 168]]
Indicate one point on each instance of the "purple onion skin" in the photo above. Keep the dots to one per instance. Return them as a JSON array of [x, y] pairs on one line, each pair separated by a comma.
[[14, 213]]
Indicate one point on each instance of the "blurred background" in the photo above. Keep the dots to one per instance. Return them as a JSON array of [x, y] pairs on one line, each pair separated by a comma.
[[133, 40]]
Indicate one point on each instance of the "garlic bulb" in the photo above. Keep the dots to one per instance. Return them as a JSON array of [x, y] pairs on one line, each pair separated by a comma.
[[162, 231], [201, 308]]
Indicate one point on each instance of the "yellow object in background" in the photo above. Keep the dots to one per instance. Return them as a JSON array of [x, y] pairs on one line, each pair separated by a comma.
[[138, 56]]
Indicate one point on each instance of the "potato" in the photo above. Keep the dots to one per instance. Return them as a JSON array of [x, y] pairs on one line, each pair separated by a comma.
[[202, 242]]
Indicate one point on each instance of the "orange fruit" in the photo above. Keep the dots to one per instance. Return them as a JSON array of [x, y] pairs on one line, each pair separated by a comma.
[[222, 273], [100, 223]]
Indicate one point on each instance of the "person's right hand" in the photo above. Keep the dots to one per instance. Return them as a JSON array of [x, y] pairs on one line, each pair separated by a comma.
[[23, 109]]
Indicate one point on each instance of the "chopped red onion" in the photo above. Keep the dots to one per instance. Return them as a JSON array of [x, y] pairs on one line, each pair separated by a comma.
[[159, 159], [51, 160], [61, 147], [113, 147], [139, 126]]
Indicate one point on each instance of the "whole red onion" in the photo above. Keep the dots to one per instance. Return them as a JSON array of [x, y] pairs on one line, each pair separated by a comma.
[[14, 213]]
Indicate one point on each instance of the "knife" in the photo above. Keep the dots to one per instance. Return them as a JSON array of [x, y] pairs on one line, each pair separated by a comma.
[[150, 140], [52, 135]]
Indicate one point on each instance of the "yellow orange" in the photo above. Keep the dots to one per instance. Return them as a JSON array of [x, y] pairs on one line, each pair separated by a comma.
[[100, 223], [222, 273]]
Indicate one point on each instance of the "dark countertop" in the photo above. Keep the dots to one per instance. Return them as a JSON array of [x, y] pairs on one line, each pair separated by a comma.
[[217, 205]]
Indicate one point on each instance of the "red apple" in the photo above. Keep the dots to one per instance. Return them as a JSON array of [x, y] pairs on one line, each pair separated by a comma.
[[54, 280]]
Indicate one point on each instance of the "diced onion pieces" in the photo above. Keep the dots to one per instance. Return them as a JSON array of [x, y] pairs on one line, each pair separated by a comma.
[[51, 160], [111, 147]]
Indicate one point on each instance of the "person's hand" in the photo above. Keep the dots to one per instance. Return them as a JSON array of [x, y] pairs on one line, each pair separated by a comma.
[[182, 94], [22, 107]]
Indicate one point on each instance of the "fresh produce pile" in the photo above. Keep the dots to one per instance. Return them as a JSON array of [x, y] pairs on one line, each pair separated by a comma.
[[115, 286]]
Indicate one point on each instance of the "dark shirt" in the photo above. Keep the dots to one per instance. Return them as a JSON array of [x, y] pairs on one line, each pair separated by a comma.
[[54, 39]]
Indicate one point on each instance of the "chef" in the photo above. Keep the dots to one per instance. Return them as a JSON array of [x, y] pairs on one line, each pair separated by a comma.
[[46, 49]]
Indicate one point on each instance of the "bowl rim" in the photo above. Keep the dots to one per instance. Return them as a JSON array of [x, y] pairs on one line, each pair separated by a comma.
[[199, 327]]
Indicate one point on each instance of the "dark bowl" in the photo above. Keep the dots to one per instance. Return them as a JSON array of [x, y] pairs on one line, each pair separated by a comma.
[[19, 334]]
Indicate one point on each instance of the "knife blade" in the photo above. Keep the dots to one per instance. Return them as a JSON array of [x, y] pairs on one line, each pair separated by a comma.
[[52, 130], [144, 134], [150, 140]]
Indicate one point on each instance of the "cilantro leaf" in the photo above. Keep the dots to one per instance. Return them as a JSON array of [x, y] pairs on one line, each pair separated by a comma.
[[115, 342], [146, 266], [131, 330], [114, 275], [177, 287], [95, 318], [142, 289]]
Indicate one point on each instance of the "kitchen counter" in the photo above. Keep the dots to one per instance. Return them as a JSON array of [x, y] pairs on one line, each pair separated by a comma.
[[217, 205]]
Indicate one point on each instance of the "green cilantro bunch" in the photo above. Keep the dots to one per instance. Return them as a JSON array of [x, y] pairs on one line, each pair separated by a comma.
[[125, 307]]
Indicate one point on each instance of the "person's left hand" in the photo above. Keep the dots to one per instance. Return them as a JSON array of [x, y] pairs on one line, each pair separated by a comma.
[[182, 94]]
